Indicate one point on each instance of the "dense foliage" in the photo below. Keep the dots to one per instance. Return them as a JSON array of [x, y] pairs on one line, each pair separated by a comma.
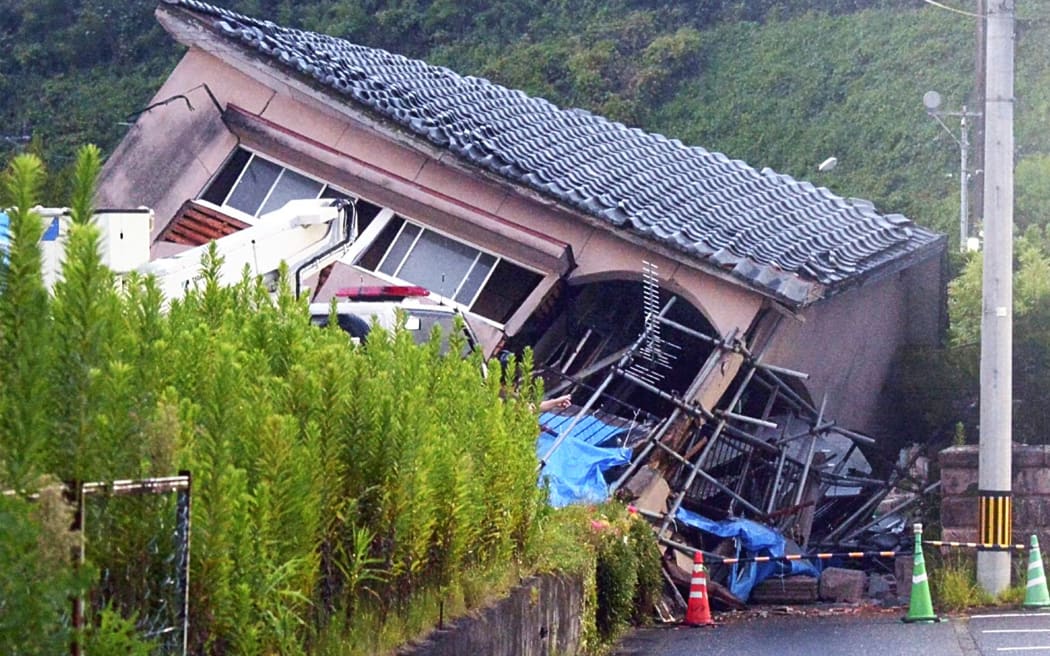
[[337, 489], [326, 477], [938, 388]]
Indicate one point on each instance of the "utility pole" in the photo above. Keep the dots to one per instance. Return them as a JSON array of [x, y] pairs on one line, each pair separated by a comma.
[[994, 466], [932, 100]]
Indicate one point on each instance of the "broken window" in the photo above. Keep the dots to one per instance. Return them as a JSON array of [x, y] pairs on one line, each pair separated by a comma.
[[254, 185]]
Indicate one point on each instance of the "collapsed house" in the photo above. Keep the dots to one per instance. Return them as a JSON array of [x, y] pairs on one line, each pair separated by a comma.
[[736, 324]]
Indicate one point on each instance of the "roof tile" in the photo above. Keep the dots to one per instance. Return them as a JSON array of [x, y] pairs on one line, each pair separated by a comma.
[[771, 231]]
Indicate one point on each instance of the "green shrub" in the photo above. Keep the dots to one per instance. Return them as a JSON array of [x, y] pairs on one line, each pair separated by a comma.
[[334, 485], [115, 635], [627, 569], [650, 571], [617, 579], [37, 579]]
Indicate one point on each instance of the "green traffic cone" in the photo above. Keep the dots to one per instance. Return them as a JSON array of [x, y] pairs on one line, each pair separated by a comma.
[[1035, 593], [920, 609]]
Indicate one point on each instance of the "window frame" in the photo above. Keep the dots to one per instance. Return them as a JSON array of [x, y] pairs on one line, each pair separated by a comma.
[[386, 216], [478, 253], [252, 154]]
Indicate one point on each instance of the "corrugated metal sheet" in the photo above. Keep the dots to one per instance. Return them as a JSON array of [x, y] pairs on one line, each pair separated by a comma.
[[785, 237]]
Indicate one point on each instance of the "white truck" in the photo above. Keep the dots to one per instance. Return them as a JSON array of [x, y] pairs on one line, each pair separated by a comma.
[[307, 235], [124, 243]]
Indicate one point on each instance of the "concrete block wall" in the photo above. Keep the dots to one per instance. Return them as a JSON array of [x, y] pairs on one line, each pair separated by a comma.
[[1031, 488], [541, 617]]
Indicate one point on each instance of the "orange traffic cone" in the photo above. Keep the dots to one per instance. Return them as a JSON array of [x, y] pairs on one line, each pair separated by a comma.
[[698, 612]]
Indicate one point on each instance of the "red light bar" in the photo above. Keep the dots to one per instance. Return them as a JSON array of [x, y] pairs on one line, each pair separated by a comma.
[[382, 292]]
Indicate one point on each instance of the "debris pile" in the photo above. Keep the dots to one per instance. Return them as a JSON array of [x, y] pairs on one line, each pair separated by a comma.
[[723, 453]]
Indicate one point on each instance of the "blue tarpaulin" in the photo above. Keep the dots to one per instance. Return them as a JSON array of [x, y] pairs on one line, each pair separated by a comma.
[[574, 471], [752, 539]]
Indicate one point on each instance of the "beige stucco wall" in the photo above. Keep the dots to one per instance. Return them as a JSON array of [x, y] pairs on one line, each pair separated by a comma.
[[846, 343], [173, 152], [169, 150]]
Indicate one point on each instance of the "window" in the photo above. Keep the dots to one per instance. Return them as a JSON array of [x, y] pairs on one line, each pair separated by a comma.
[[255, 185], [483, 283]]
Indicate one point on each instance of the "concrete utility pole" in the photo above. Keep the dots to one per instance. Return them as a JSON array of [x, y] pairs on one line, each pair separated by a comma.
[[994, 475], [932, 101]]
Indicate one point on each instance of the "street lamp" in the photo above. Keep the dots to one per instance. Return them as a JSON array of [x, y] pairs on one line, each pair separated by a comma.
[[932, 101], [828, 164]]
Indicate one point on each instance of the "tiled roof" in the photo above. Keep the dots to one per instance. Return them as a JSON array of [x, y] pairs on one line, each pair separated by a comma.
[[780, 235], [197, 224]]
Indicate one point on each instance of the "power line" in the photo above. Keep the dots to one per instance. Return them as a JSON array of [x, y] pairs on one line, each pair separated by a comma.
[[954, 10], [1033, 18]]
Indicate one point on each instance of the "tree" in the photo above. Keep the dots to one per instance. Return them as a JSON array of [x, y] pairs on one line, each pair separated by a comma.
[[26, 348], [1031, 353]]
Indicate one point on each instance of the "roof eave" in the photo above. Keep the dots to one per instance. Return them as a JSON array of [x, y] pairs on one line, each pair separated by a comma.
[[935, 247]]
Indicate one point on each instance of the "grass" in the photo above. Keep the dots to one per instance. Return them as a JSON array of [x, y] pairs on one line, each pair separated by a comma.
[[562, 545], [373, 631], [953, 582], [1012, 596]]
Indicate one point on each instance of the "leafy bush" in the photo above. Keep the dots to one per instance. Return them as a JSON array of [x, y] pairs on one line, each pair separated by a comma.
[[115, 635], [626, 565], [37, 579], [324, 474], [617, 579]]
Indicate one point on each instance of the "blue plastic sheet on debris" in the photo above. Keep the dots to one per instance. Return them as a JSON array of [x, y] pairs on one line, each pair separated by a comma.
[[574, 472], [752, 539]]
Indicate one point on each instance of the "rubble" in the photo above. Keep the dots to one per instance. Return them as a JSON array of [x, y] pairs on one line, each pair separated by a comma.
[[840, 584], [787, 590], [758, 451], [882, 586]]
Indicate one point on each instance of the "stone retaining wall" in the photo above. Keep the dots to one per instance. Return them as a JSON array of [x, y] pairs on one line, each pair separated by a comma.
[[1031, 488], [541, 617]]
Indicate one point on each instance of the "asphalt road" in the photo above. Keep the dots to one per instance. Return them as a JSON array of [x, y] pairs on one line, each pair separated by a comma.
[[1011, 633], [866, 634]]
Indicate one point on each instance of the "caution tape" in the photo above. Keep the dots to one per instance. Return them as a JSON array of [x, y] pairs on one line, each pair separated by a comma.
[[977, 545], [826, 555]]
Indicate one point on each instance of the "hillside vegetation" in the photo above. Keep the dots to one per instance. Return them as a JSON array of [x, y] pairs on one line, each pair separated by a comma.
[[774, 83]]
